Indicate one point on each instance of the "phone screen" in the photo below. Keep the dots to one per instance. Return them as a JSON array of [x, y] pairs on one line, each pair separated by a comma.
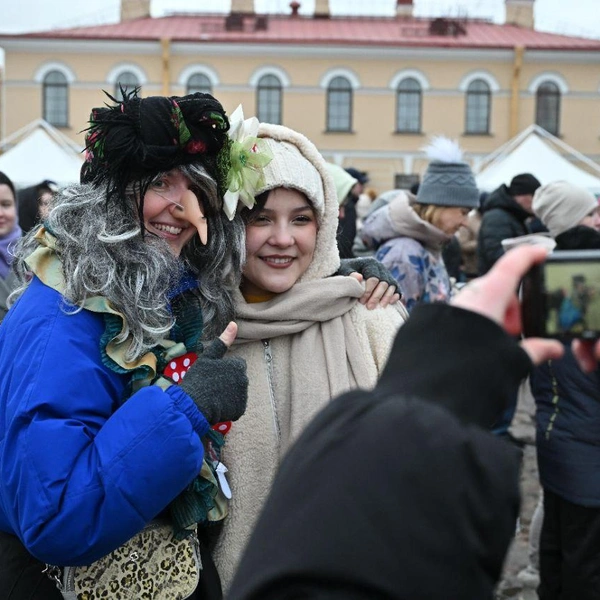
[[561, 297]]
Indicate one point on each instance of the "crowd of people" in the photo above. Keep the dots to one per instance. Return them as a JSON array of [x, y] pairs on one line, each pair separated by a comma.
[[221, 350]]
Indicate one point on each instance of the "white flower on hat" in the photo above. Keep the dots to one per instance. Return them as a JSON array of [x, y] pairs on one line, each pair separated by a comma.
[[248, 155]]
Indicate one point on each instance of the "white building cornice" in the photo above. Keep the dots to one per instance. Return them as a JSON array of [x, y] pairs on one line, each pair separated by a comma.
[[91, 46], [305, 50]]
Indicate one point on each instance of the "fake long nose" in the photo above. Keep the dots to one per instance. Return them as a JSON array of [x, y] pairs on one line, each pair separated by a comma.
[[192, 211]]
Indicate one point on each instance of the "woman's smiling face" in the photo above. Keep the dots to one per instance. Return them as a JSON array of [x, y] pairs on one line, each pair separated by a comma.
[[162, 210], [8, 210], [280, 243]]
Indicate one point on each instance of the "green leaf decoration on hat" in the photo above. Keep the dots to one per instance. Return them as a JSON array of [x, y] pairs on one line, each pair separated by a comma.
[[248, 156], [179, 122]]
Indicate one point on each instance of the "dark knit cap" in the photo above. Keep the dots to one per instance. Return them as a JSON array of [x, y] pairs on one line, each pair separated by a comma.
[[448, 184], [139, 137], [523, 184], [360, 176]]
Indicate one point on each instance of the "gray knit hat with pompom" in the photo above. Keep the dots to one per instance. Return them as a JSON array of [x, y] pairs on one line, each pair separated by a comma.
[[448, 180]]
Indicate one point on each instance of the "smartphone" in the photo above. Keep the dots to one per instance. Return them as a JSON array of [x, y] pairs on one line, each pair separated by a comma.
[[560, 298]]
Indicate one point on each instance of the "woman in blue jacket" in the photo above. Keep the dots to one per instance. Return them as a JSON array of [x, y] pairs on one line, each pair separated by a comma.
[[96, 439]]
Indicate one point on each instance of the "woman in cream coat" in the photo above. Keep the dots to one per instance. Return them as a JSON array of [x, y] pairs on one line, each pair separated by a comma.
[[303, 333]]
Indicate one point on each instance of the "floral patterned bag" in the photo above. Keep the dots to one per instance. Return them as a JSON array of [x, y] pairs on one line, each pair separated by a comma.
[[152, 565]]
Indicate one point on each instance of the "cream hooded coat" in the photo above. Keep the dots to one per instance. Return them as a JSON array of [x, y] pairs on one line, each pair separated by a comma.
[[302, 348]]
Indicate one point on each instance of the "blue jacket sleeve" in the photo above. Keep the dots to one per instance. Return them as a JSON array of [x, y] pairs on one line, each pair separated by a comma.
[[82, 472]]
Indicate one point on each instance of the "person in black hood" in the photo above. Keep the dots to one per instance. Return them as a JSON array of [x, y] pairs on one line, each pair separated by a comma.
[[400, 492], [33, 201], [347, 226], [505, 215], [567, 420]]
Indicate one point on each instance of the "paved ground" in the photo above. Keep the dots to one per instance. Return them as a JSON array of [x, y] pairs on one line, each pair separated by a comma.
[[517, 559]]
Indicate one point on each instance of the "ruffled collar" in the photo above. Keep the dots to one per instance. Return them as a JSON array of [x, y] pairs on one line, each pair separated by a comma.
[[45, 264]]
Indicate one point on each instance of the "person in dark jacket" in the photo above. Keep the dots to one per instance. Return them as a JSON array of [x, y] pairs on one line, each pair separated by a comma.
[[400, 492], [504, 215], [347, 225], [568, 426], [33, 203], [100, 434], [452, 258]]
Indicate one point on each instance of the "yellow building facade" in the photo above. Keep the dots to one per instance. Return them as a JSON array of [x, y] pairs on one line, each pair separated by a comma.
[[368, 91]]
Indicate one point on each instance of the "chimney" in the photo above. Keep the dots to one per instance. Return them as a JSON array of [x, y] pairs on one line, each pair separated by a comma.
[[404, 8], [322, 9], [295, 6], [242, 6], [134, 9], [520, 12]]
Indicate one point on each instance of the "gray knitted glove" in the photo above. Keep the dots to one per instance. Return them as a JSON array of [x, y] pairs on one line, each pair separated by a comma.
[[218, 386], [368, 267]]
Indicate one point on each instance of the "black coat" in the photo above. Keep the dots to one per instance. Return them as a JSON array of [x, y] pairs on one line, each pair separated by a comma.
[[399, 492], [503, 217], [347, 228], [568, 411]]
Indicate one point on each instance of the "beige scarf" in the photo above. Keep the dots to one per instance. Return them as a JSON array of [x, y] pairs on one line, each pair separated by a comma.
[[316, 316]]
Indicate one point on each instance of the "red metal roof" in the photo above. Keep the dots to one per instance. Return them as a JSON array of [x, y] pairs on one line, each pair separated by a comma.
[[344, 31]]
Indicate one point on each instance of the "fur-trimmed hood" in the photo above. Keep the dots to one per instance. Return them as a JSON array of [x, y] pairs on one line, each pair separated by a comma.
[[290, 148]]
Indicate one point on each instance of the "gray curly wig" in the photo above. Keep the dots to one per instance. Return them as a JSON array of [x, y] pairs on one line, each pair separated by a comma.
[[105, 251]]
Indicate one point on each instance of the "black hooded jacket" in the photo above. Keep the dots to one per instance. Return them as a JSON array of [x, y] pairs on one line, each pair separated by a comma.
[[568, 439], [503, 217], [578, 238], [399, 492]]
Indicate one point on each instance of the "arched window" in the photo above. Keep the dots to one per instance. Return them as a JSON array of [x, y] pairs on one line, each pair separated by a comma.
[[547, 107], [268, 99], [126, 82], [478, 105], [198, 82], [56, 99], [408, 106], [339, 105]]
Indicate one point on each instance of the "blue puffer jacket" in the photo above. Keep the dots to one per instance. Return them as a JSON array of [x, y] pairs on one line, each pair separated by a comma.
[[81, 471]]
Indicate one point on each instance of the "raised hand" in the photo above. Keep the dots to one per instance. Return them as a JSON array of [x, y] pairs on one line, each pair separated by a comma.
[[218, 384]]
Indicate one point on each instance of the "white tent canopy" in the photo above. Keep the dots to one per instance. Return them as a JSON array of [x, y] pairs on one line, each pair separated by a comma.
[[540, 153], [39, 151]]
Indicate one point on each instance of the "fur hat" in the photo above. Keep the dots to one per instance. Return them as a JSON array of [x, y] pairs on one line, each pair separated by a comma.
[[561, 205], [523, 184], [137, 138], [297, 164], [448, 180]]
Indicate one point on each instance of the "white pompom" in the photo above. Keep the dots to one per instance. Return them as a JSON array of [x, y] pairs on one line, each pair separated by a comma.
[[443, 149]]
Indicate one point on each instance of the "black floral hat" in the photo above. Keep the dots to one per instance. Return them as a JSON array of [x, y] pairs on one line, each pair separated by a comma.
[[137, 138]]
